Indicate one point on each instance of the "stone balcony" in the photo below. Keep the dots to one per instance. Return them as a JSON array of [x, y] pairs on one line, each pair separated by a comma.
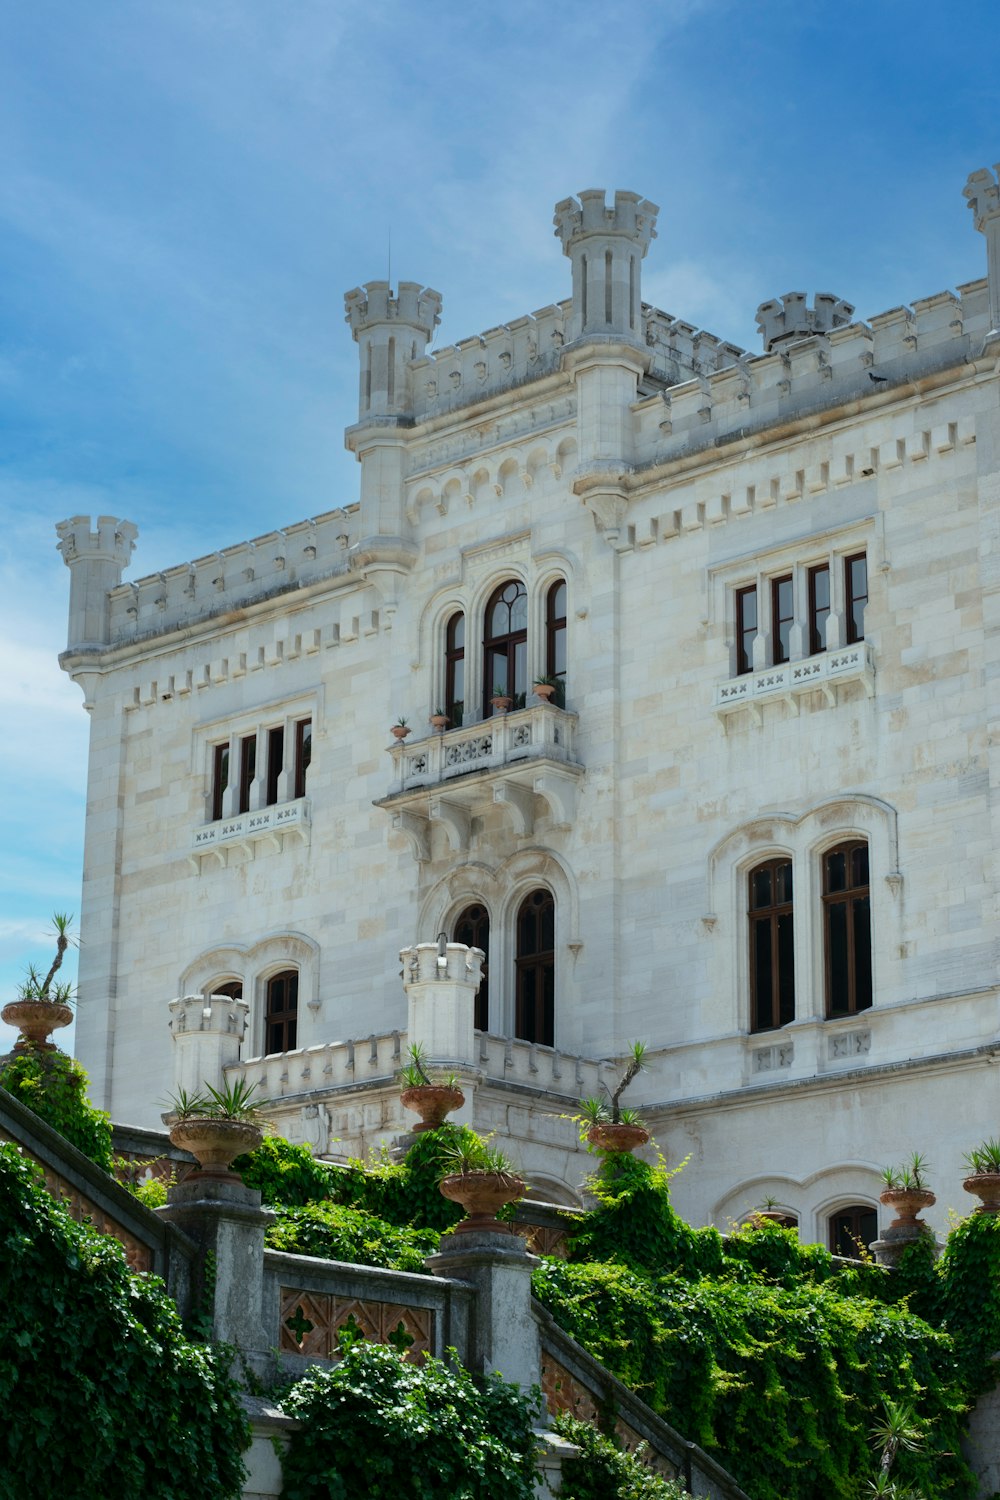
[[508, 760], [825, 673], [267, 827]]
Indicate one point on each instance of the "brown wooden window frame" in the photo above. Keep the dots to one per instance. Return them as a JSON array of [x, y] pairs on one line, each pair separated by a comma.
[[509, 647], [248, 770], [220, 778], [281, 1020], [275, 763], [746, 632], [766, 1010], [851, 897], [454, 669], [534, 1012], [846, 1229], [819, 614], [472, 927], [780, 651], [853, 597], [303, 755], [555, 637]]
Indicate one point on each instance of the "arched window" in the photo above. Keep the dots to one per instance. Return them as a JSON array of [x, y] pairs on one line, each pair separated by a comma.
[[534, 1019], [281, 1010], [555, 638], [473, 929], [454, 671], [505, 644], [772, 959], [231, 988], [852, 1228], [848, 929]]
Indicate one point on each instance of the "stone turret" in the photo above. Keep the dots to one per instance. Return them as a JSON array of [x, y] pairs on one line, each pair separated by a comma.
[[606, 247], [441, 980], [983, 194], [792, 318], [96, 560], [391, 331]]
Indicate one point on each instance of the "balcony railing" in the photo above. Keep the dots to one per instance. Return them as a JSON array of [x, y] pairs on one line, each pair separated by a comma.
[[822, 673], [505, 739], [264, 825]]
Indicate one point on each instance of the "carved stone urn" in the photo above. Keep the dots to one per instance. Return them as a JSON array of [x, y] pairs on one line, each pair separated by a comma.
[[433, 1102], [543, 690], [986, 1187], [607, 1137], [36, 1020], [907, 1203], [482, 1195], [215, 1142]]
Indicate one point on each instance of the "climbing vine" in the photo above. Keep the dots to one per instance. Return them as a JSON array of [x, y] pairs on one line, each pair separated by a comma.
[[54, 1086], [336, 1232], [103, 1394], [604, 1471]]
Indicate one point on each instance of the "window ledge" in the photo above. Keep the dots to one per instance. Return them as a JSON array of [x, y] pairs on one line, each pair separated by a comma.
[[249, 831], [821, 673]]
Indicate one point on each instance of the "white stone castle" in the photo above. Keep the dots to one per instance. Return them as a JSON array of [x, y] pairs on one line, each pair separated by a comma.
[[712, 643]]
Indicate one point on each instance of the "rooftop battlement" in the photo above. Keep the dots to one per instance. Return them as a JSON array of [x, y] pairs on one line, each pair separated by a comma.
[[630, 216], [415, 306], [792, 318]]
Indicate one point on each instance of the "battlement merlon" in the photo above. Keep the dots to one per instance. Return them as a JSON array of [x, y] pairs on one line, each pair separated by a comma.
[[982, 192], [391, 330], [96, 560], [781, 322], [606, 247]]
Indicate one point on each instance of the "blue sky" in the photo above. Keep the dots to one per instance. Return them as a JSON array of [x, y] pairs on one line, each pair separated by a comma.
[[190, 186]]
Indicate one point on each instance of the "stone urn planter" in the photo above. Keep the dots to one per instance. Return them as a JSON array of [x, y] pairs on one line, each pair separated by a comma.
[[433, 1102], [482, 1195], [36, 1020], [501, 703], [400, 731], [907, 1203], [543, 690], [607, 1137], [986, 1187], [439, 722], [215, 1142]]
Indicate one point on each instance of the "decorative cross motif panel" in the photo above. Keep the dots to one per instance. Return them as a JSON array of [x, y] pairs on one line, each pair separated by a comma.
[[312, 1321]]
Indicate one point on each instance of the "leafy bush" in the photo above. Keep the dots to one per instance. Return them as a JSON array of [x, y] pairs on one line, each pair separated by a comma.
[[102, 1392], [285, 1174], [604, 1471], [376, 1424], [54, 1087], [336, 1232]]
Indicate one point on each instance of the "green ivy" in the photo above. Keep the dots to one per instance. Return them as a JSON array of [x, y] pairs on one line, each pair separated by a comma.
[[285, 1174], [54, 1087], [336, 1232], [102, 1392], [376, 1424], [604, 1471]]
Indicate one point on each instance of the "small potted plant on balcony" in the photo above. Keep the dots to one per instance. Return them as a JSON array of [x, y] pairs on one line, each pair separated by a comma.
[[400, 729], [482, 1179], [216, 1126], [501, 699], [43, 1005], [439, 720], [544, 687], [906, 1192], [770, 1213], [607, 1125], [433, 1099], [983, 1166]]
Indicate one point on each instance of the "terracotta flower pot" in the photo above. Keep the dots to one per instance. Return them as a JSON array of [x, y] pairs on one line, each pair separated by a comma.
[[482, 1195], [501, 705], [986, 1186], [400, 731], [907, 1203], [439, 722], [433, 1102], [36, 1020], [215, 1142], [544, 690], [608, 1137]]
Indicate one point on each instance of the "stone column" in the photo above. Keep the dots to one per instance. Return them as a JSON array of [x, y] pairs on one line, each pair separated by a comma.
[[504, 1332]]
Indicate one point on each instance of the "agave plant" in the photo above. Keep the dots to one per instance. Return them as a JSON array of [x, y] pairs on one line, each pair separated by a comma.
[[34, 986], [910, 1177], [232, 1102], [473, 1155], [984, 1158], [414, 1074]]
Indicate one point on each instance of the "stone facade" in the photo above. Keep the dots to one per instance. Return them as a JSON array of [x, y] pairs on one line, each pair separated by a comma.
[[698, 733]]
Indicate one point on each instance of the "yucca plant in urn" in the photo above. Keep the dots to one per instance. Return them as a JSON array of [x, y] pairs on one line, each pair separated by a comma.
[[983, 1181], [432, 1098], [906, 1193], [216, 1126], [43, 1004], [483, 1180], [608, 1125]]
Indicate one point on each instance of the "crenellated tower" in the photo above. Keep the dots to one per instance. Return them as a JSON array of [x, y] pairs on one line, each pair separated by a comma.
[[391, 331], [606, 247], [982, 192], [96, 561], [790, 318]]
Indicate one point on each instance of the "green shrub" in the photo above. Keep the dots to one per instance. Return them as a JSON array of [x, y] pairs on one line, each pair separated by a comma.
[[54, 1087], [604, 1471], [102, 1392], [285, 1174], [376, 1424], [336, 1232]]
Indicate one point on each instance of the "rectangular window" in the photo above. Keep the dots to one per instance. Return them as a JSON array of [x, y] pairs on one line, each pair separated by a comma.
[[856, 592], [275, 764], [220, 778], [248, 769], [782, 615], [819, 607], [746, 628], [303, 754]]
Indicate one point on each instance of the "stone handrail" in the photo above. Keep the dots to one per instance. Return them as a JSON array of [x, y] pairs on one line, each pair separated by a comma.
[[539, 731]]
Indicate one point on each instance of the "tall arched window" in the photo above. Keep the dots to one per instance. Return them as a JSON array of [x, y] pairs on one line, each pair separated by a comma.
[[555, 638], [473, 929], [281, 1011], [847, 920], [505, 644], [852, 1229], [454, 670], [534, 1018], [772, 959]]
